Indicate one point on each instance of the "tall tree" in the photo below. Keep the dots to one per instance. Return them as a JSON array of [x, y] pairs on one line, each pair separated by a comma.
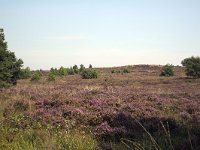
[[10, 66]]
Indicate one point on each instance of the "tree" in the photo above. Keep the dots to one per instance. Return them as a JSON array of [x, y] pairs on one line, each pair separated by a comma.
[[192, 65], [167, 70], [81, 68], [10, 66], [90, 66], [75, 68]]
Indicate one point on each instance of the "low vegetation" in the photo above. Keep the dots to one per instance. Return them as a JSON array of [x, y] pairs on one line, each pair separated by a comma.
[[167, 70], [89, 74]]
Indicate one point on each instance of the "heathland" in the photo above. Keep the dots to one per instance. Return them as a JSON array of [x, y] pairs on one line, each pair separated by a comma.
[[129, 107]]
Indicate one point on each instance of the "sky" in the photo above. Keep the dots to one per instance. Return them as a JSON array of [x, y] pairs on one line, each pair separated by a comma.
[[104, 33]]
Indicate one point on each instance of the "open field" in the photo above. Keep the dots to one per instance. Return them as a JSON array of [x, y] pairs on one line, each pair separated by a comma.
[[137, 110]]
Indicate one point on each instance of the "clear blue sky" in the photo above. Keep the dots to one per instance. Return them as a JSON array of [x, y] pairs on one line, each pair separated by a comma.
[[51, 33]]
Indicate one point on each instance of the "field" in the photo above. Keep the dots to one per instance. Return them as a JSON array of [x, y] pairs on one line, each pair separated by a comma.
[[136, 110]]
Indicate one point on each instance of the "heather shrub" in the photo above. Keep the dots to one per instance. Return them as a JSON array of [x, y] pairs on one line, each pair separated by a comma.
[[167, 70], [89, 74], [192, 66], [25, 73], [36, 76], [20, 106]]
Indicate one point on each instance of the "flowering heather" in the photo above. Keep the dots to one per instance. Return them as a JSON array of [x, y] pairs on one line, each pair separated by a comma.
[[109, 106]]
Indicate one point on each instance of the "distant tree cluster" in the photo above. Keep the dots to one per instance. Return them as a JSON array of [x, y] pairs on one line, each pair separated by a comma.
[[10, 66], [70, 71]]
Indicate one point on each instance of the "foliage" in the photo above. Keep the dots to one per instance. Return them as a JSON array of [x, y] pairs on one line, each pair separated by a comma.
[[51, 77], [89, 74], [62, 71], [115, 71], [167, 70], [54, 71], [90, 66], [192, 65], [10, 66], [25, 73], [75, 68], [125, 71], [70, 71], [36, 76], [82, 67]]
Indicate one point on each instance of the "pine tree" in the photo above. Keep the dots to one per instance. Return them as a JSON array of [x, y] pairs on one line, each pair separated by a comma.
[[10, 66]]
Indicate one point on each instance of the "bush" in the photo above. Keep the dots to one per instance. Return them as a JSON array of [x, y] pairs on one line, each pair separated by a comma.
[[62, 71], [10, 66], [51, 77], [89, 74], [125, 71], [90, 66], [167, 70], [25, 73], [36, 76], [75, 68], [54, 71], [81, 68], [192, 65], [70, 71]]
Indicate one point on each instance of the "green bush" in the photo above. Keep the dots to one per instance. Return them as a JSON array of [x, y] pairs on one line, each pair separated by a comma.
[[192, 65], [167, 70], [70, 71], [51, 77], [75, 68], [62, 71], [54, 71], [89, 74], [36, 76], [25, 73], [90, 66], [10, 66], [125, 71], [81, 68]]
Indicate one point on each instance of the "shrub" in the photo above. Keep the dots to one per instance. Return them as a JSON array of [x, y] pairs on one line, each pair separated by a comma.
[[25, 73], [89, 74], [81, 68], [51, 77], [125, 71], [90, 66], [167, 70], [115, 71], [70, 71], [10, 66], [54, 71], [192, 65], [62, 71], [36, 76], [75, 68]]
